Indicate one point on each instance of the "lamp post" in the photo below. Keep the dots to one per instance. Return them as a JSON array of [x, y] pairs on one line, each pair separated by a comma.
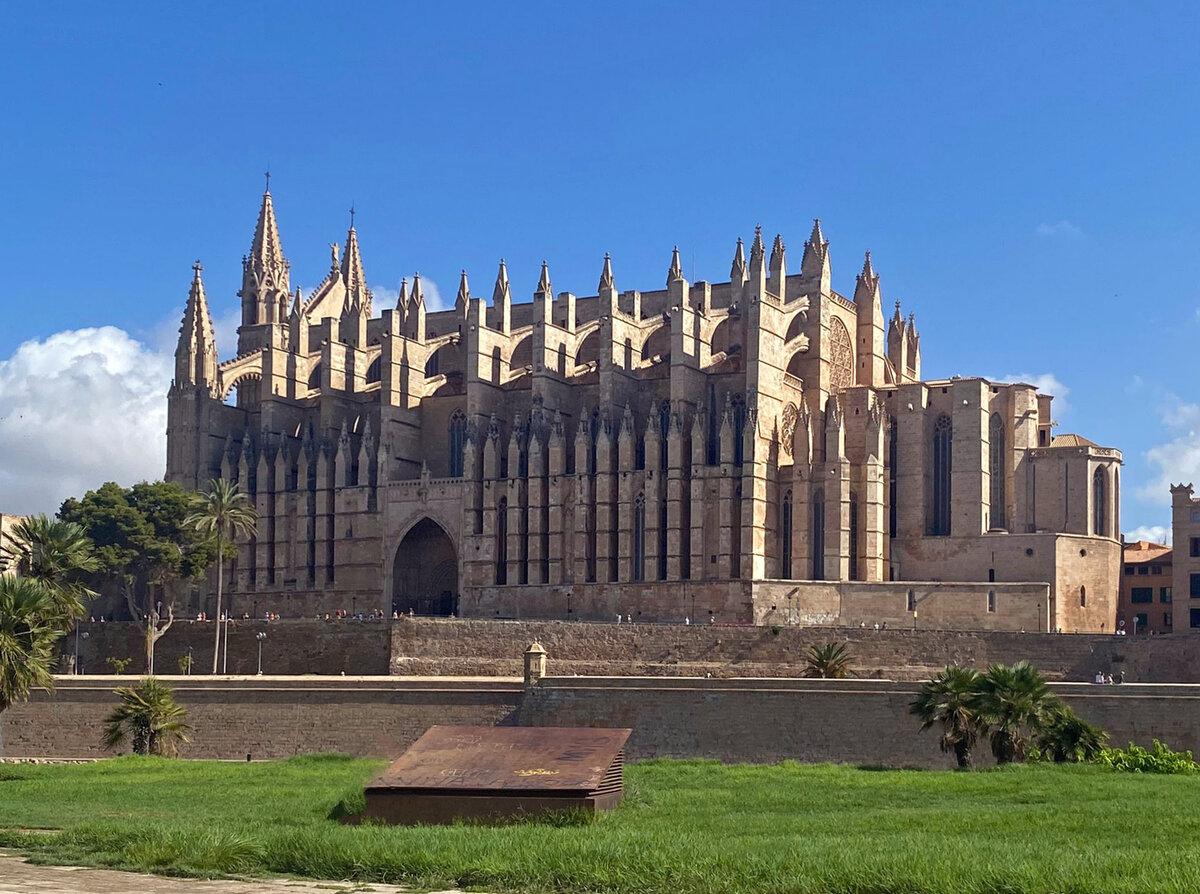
[[262, 635], [225, 646], [77, 635]]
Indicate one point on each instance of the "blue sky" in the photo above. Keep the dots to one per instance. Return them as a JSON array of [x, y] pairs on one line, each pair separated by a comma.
[[1023, 174]]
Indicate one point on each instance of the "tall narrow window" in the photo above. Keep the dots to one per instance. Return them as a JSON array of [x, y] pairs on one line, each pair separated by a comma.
[[853, 536], [996, 452], [714, 424], [785, 532], [817, 535], [639, 537], [739, 427], [943, 437], [595, 432], [893, 459], [458, 442], [502, 541], [1099, 504], [664, 428], [662, 539]]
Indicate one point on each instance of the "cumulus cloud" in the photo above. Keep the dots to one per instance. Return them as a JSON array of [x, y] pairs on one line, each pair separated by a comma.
[[1045, 383], [77, 409], [1178, 459], [1063, 229], [1153, 533]]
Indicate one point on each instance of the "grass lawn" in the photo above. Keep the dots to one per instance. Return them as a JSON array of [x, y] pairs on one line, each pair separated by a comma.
[[685, 826]]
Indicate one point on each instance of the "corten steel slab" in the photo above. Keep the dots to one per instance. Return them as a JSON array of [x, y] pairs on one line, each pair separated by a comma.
[[484, 772]]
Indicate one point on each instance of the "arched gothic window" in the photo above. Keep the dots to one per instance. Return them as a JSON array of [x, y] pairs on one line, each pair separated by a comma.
[[785, 532], [853, 536], [943, 438], [893, 471], [458, 442], [739, 428], [1100, 503], [639, 537], [996, 452], [502, 541], [817, 535], [664, 427]]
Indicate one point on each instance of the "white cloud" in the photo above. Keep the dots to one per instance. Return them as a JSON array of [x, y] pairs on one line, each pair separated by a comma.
[[1153, 533], [386, 297], [1064, 229], [163, 336], [77, 409], [1178, 459], [1045, 383]]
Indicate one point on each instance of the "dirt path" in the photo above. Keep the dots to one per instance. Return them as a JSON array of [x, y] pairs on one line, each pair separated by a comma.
[[19, 877]]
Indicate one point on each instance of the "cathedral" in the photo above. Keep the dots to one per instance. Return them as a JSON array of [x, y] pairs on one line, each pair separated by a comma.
[[762, 450]]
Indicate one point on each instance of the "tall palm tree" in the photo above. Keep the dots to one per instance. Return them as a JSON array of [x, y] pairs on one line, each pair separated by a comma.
[[53, 553], [1013, 702], [947, 700], [149, 715], [829, 660], [29, 626], [224, 514]]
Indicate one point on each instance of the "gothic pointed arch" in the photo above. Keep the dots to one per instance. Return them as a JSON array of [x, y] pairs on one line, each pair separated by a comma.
[[941, 471], [425, 571], [996, 456], [458, 442], [841, 356]]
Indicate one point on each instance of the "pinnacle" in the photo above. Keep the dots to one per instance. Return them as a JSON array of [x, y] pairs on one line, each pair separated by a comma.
[[675, 274], [266, 250], [402, 301], [737, 273], [544, 286], [357, 293], [817, 238], [501, 292], [868, 272], [606, 275], [464, 291], [418, 296], [757, 249]]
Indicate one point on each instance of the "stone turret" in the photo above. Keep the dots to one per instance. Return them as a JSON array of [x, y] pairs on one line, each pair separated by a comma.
[[266, 288]]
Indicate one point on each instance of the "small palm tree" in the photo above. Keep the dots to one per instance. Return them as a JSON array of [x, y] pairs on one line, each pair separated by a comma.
[[149, 715], [1012, 702], [53, 553], [830, 660], [224, 514], [29, 626], [946, 700], [1066, 737]]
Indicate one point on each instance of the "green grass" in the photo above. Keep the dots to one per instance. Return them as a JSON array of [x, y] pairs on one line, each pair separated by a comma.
[[692, 826]]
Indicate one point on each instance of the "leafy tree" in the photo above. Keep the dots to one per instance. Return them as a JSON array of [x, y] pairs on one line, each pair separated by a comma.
[[947, 699], [54, 553], [222, 514], [142, 544], [30, 624], [1065, 737], [830, 660], [150, 716], [1013, 703]]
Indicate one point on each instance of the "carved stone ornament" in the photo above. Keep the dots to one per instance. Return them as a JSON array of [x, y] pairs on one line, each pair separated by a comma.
[[789, 427]]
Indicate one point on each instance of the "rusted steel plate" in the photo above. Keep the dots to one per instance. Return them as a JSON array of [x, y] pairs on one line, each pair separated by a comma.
[[505, 758]]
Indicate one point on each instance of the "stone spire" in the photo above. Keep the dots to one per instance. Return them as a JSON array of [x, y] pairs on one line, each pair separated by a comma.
[[675, 274], [402, 301], [464, 294], [502, 300], [606, 275], [737, 273], [358, 296], [757, 249], [543, 287], [816, 251], [196, 353], [777, 251], [265, 266]]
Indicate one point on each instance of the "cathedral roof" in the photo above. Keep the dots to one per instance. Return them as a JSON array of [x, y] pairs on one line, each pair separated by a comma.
[[1070, 440]]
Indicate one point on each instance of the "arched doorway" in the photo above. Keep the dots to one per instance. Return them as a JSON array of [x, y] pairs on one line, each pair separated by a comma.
[[425, 572]]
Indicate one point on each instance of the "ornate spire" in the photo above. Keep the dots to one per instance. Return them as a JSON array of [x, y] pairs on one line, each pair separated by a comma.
[[757, 249], [606, 275], [777, 250], [358, 296], [868, 272], [501, 292], [266, 260], [402, 301], [418, 295], [675, 274], [544, 288], [464, 292], [737, 273], [196, 352], [868, 283]]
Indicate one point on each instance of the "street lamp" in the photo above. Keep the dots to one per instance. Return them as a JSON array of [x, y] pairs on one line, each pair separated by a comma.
[[262, 634], [77, 635]]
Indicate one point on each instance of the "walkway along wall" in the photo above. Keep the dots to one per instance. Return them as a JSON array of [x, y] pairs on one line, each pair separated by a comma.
[[754, 720]]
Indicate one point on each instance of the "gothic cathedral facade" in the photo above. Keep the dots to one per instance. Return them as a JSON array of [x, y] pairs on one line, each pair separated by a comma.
[[762, 450]]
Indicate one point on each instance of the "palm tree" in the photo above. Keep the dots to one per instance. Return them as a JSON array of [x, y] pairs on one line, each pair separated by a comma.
[[1066, 737], [53, 553], [148, 714], [223, 514], [830, 660], [29, 626], [946, 699], [1012, 702]]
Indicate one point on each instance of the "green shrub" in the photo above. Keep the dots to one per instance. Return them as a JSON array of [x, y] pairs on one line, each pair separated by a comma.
[[1157, 759]]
